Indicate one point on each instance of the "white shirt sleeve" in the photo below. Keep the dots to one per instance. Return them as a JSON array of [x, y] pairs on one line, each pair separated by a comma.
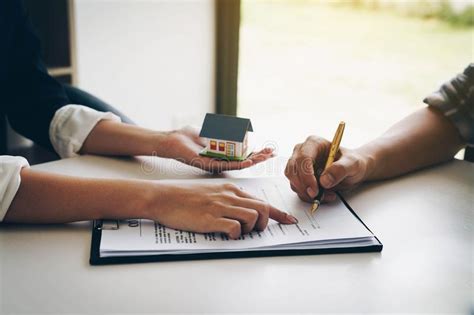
[[10, 167], [71, 125]]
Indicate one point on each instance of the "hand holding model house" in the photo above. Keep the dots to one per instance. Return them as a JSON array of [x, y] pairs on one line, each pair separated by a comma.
[[222, 145]]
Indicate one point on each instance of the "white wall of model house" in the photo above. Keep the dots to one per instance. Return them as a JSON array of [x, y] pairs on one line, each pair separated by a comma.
[[240, 148]]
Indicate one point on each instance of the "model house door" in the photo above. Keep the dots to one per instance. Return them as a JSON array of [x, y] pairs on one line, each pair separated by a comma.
[[230, 149]]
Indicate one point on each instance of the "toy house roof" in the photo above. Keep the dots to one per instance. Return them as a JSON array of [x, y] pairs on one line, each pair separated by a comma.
[[225, 127]]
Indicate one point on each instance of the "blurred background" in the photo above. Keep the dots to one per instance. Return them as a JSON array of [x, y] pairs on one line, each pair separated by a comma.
[[295, 67], [305, 65]]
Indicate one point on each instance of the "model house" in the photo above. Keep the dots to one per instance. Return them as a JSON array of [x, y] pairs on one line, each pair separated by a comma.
[[227, 136]]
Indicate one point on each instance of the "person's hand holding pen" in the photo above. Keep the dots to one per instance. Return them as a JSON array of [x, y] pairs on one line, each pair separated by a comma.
[[349, 169]]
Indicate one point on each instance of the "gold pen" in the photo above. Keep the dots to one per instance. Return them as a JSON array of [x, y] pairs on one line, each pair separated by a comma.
[[336, 141]]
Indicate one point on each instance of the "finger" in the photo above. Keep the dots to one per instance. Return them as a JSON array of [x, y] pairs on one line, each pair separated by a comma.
[[264, 209], [310, 151], [348, 184], [231, 165], [247, 217], [230, 227], [193, 133], [329, 196], [338, 171], [303, 197], [268, 151], [200, 141], [245, 200], [307, 177], [291, 172], [214, 165], [261, 156], [265, 151], [290, 169], [281, 216], [299, 188], [257, 158], [293, 188], [240, 192]]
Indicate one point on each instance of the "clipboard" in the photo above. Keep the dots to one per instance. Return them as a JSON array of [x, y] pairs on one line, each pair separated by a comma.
[[100, 225]]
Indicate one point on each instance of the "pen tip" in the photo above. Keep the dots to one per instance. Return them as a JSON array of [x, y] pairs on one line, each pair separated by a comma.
[[315, 206]]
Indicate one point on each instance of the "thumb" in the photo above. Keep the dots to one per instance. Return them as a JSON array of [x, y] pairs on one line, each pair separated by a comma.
[[337, 172]]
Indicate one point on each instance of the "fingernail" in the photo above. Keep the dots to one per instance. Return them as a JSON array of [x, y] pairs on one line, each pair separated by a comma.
[[311, 192], [327, 180], [292, 219]]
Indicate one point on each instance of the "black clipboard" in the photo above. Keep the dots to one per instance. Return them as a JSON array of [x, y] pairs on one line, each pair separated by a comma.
[[98, 226]]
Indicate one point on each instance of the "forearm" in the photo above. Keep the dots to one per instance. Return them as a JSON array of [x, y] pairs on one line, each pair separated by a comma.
[[115, 138], [424, 138], [49, 198]]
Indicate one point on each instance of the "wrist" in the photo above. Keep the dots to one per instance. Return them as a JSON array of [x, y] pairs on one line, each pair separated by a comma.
[[368, 157], [148, 198], [162, 143], [127, 199], [155, 199]]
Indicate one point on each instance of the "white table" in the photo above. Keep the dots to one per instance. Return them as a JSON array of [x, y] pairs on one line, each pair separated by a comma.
[[425, 221]]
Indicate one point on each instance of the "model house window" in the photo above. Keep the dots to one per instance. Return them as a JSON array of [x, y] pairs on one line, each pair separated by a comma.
[[221, 146], [213, 145]]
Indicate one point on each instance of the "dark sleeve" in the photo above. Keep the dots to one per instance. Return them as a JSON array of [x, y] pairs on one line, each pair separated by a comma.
[[32, 95], [455, 99]]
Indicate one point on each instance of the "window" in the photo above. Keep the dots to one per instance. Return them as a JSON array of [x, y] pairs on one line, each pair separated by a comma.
[[213, 145], [222, 146], [306, 65]]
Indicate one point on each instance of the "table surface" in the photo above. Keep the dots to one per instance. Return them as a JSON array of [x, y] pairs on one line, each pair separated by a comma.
[[424, 220]]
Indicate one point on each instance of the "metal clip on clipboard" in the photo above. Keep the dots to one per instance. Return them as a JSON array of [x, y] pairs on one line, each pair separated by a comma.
[[106, 224]]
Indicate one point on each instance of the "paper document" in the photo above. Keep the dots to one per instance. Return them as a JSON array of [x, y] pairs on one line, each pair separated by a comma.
[[332, 225]]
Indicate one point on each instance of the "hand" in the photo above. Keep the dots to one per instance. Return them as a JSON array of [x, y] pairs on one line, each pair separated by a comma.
[[185, 144], [212, 208], [349, 169]]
